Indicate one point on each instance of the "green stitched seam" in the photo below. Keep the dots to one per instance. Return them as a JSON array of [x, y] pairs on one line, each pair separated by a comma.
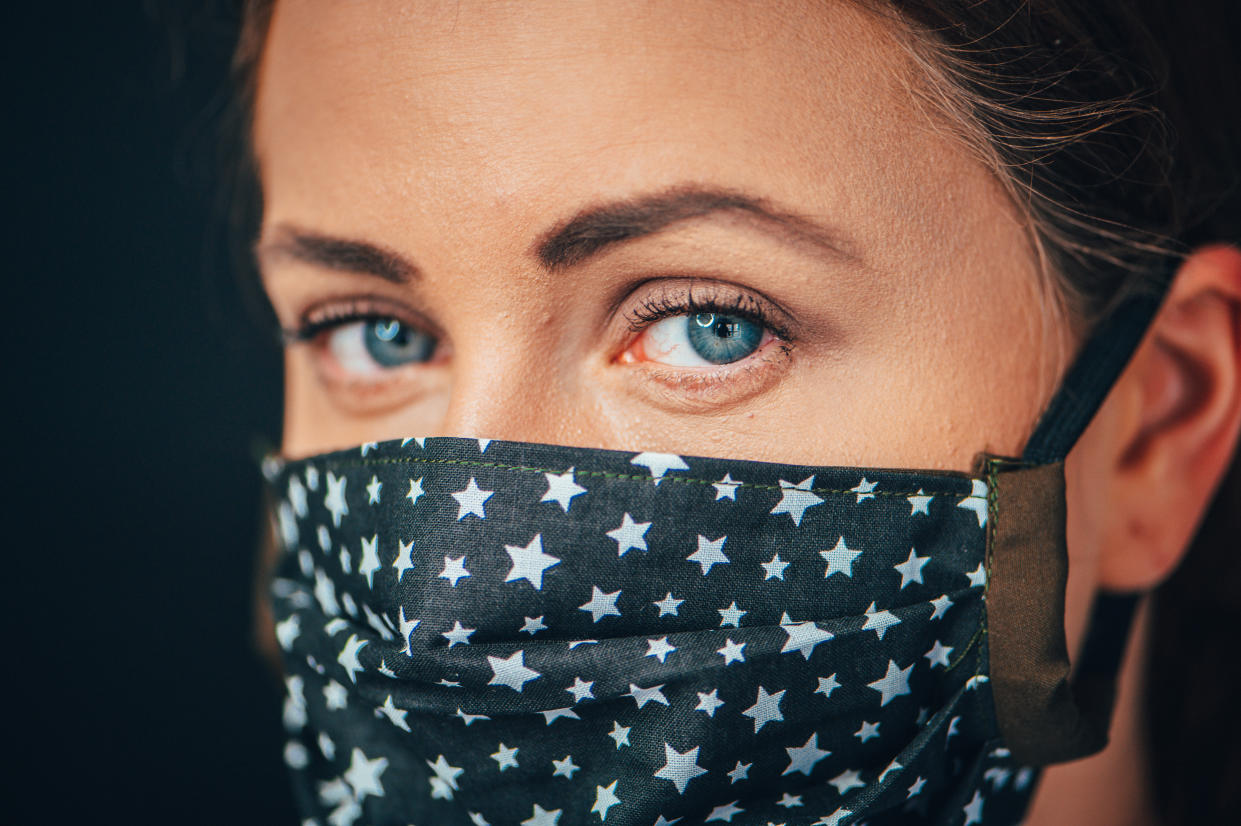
[[622, 476]]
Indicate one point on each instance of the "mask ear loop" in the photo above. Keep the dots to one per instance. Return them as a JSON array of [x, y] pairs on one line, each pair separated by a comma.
[[1086, 384]]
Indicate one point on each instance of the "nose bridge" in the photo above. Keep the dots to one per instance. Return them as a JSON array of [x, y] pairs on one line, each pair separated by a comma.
[[505, 384]]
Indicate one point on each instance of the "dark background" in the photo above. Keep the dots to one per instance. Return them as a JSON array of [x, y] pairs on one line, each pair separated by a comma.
[[131, 501]]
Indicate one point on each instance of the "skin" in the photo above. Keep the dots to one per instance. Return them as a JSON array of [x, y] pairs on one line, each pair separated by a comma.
[[459, 136]]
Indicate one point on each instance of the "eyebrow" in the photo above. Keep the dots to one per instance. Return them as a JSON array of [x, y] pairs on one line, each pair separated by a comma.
[[585, 235]]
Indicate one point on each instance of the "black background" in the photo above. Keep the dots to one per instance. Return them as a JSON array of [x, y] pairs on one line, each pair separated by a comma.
[[131, 501]]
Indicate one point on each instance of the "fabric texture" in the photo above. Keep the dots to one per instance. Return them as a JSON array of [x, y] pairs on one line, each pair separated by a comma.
[[491, 632]]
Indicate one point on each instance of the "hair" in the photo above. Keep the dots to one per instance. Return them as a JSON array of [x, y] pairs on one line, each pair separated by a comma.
[[1114, 128]]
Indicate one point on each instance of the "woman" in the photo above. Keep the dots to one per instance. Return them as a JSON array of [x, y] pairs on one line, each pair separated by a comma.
[[805, 234]]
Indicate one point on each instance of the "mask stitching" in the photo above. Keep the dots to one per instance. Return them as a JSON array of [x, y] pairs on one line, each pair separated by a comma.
[[993, 512], [627, 476]]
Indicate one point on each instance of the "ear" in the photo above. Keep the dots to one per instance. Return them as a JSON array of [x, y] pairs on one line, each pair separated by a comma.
[[1175, 414]]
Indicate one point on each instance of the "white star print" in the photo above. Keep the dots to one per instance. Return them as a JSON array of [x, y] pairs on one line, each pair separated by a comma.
[[938, 655], [663, 821], [407, 628], [827, 685], [630, 534], [725, 813], [454, 569], [659, 649], [288, 630], [476, 819], [710, 552], [620, 734], [551, 715], [511, 671], [395, 715], [863, 490], [562, 488], [709, 701], [297, 497], [542, 817], [726, 488], [415, 490], [892, 767], [370, 559], [470, 500], [879, 621], [605, 798], [446, 774], [788, 801], [916, 788], [348, 657], [363, 775], [834, 818], [766, 708], [529, 562], [919, 503], [774, 569], [421, 440], [973, 809], [335, 696], [847, 780], [601, 605], [533, 625], [911, 569], [803, 637], [334, 501], [404, 559], [505, 757], [642, 696], [867, 731], [346, 564], [978, 576], [892, 684], [976, 501], [680, 767], [941, 605], [458, 634], [312, 478], [659, 463], [794, 499], [839, 559], [804, 758], [372, 490], [367, 447], [565, 767], [731, 652], [731, 615], [581, 690], [668, 605], [469, 719], [741, 771]]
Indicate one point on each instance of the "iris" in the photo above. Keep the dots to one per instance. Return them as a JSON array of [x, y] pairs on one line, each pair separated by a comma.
[[391, 343], [720, 338]]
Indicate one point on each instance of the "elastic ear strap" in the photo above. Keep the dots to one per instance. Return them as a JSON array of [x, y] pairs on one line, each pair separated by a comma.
[[1088, 381]]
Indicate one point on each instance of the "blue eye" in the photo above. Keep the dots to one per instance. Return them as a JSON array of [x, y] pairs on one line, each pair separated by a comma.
[[721, 339], [700, 339], [371, 346], [392, 343]]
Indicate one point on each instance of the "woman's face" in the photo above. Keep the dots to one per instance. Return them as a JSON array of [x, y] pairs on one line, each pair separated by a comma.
[[685, 227]]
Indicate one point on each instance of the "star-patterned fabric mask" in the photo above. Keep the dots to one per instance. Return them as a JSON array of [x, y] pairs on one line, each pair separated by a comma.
[[498, 633], [492, 632]]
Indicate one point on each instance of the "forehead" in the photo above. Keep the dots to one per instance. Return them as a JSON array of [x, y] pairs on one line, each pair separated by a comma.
[[500, 112]]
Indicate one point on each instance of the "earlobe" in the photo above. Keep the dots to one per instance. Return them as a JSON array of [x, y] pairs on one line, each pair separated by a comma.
[[1182, 394]]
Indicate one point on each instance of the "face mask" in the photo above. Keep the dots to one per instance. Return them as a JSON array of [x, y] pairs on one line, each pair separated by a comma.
[[492, 632]]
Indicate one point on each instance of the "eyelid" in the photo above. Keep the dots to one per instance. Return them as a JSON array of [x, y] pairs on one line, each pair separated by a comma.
[[324, 316], [684, 296]]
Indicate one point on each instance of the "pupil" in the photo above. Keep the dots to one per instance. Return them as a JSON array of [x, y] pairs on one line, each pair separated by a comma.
[[721, 339]]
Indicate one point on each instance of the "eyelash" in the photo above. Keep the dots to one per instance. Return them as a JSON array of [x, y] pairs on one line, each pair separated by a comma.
[[665, 305], [672, 301], [316, 321]]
